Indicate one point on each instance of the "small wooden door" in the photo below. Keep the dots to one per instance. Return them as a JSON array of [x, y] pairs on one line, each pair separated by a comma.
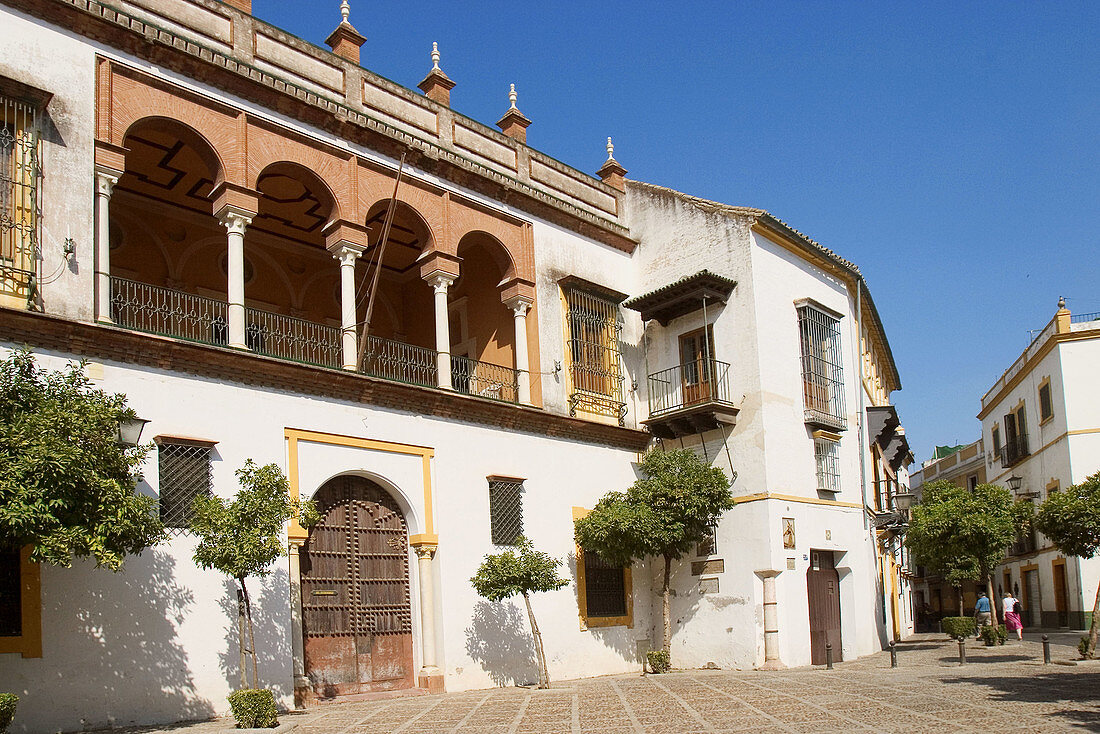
[[823, 590], [696, 365], [1061, 598], [356, 617]]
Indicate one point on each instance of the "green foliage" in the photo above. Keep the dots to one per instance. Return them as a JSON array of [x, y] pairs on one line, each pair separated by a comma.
[[957, 627], [1083, 648], [665, 513], [66, 485], [961, 533], [659, 661], [994, 635], [243, 537], [254, 708], [8, 702], [1071, 518], [520, 571]]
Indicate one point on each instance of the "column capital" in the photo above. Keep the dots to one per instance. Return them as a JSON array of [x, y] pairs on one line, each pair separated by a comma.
[[347, 253], [235, 220], [105, 180], [425, 551], [768, 573], [519, 304], [440, 280]]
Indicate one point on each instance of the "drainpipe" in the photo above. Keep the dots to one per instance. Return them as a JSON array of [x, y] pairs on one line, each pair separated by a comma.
[[859, 389]]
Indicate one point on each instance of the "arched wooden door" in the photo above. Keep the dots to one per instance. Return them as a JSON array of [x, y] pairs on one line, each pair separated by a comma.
[[356, 618], [823, 590]]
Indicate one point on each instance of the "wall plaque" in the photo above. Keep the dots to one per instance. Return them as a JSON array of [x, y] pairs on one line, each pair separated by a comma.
[[717, 565]]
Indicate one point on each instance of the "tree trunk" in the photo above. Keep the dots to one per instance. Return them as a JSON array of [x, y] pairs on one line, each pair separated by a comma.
[[1094, 628], [992, 599], [666, 609], [240, 632], [960, 592], [544, 673], [251, 634]]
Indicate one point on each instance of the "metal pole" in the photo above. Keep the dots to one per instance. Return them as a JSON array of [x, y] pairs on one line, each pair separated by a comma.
[[962, 651], [828, 656], [893, 654], [1046, 650]]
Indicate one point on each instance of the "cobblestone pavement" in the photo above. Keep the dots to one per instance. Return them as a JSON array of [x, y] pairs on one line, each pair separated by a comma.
[[1001, 689]]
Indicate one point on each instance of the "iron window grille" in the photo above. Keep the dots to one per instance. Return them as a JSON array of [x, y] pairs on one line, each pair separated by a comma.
[[595, 357], [185, 473], [1046, 406], [505, 510], [20, 211], [822, 370], [604, 587], [827, 455]]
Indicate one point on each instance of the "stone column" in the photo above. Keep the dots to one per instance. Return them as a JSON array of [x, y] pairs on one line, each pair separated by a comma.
[[297, 644], [441, 282], [520, 306], [430, 676], [105, 180], [348, 322], [771, 622], [235, 223]]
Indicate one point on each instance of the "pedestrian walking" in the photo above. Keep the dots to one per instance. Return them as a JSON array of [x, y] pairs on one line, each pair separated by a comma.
[[1011, 607], [982, 613]]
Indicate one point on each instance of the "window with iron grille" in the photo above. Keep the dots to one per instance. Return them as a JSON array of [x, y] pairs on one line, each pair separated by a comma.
[[185, 473], [604, 587], [19, 194], [505, 509], [1046, 406], [594, 354], [827, 454], [822, 370]]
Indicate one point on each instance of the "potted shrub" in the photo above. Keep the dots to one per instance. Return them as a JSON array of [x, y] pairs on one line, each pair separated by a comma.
[[994, 635], [958, 627], [254, 708], [7, 710], [659, 661]]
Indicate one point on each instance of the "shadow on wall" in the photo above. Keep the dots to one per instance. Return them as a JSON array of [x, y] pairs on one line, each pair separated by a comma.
[[498, 639], [270, 600], [624, 645], [124, 649]]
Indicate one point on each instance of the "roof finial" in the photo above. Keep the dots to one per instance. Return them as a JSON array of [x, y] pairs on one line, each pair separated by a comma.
[[435, 56], [345, 10], [512, 97], [610, 150], [1061, 301]]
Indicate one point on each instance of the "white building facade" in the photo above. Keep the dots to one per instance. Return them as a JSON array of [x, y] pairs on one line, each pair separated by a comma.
[[206, 213], [1041, 425]]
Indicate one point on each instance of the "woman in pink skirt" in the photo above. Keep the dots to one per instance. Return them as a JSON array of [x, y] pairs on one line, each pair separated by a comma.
[[1012, 614]]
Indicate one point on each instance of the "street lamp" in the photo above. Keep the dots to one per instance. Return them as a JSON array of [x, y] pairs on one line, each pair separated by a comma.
[[129, 430], [903, 501], [1015, 483]]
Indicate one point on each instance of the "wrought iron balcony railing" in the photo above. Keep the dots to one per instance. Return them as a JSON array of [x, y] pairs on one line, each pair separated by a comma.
[[688, 384], [168, 312], [1014, 451]]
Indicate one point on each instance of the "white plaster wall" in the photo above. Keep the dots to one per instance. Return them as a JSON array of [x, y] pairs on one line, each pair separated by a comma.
[[43, 57], [165, 627]]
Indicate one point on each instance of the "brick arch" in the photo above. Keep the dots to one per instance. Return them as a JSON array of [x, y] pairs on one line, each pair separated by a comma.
[[427, 204], [317, 185], [497, 250], [215, 166], [507, 235], [268, 147]]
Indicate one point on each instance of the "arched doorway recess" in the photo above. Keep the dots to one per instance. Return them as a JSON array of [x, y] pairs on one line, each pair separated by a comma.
[[356, 615]]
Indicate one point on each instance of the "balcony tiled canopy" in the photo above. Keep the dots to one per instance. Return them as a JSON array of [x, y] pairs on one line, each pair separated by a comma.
[[682, 297]]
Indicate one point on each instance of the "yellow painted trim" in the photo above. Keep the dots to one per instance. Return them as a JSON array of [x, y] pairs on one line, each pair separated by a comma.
[[1053, 486], [827, 435], [587, 623], [1045, 382], [294, 435], [1029, 366], [791, 498], [28, 644], [895, 598], [1078, 432]]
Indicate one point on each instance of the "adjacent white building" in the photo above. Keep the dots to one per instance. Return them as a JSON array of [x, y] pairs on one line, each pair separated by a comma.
[[1041, 429], [199, 207]]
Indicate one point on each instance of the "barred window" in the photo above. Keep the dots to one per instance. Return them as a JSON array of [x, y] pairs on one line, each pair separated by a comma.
[[505, 509], [185, 473], [594, 354], [1046, 405], [827, 454], [822, 370], [604, 587], [20, 173]]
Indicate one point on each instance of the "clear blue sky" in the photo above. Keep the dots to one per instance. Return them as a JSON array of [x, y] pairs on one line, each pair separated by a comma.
[[951, 150]]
